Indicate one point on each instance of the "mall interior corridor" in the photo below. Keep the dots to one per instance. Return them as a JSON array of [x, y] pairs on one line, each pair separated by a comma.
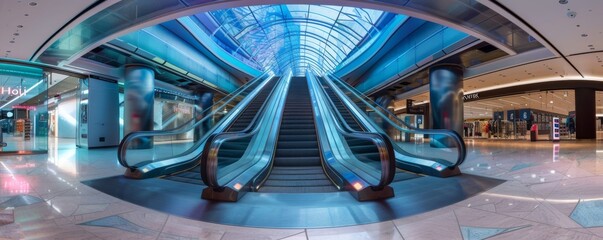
[[186, 119]]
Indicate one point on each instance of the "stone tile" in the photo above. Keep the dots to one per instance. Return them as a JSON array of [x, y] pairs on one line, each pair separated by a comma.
[[185, 228], [90, 208], [484, 219], [478, 233], [589, 213], [543, 232], [48, 230], [299, 236], [119, 223], [19, 200], [384, 231], [443, 226], [546, 213]]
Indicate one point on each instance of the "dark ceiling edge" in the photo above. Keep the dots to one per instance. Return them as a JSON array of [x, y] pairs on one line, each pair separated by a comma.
[[538, 87], [44, 67], [92, 6], [503, 7]]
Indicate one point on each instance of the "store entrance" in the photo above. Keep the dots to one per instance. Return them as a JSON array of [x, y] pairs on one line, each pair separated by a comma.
[[514, 117]]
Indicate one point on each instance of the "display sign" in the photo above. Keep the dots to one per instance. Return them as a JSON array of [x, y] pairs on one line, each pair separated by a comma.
[[498, 115], [11, 91], [472, 96], [525, 114], [410, 109], [512, 115], [24, 107], [555, 129]]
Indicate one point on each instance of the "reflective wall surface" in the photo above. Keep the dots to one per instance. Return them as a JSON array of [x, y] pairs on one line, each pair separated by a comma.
[[23, 101]]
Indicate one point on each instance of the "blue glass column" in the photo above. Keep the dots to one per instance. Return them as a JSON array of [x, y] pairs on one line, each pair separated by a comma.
[[139, 86], [446, 99]]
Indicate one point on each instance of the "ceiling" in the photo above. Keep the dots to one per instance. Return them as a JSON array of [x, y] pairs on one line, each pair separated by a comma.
[[573, 27], [26, 25]]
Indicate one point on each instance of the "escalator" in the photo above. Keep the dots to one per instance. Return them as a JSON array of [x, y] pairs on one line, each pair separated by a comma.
[[172, 155], [295, 147], [232, 150], [427, 157], [297, 166], [364, 150]]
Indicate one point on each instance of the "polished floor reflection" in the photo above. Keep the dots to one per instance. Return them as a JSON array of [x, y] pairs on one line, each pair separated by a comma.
[[553, 191]]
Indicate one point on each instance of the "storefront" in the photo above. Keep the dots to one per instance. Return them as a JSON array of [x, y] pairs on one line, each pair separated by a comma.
[[512, 117], [25, 121]]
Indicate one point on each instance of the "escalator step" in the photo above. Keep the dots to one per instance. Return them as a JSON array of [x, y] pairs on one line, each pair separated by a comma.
[[295, 152], [298, 183], [317, 189], [296, 161], [297, 144]]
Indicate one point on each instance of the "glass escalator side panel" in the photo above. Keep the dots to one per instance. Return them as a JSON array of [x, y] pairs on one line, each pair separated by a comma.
[[428, 151], [181, 141]]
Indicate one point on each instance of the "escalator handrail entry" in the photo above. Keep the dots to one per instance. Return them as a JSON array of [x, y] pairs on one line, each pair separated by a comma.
[[383, 143], [209, 155]]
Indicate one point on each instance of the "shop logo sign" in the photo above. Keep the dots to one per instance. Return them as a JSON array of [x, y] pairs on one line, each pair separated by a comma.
[[12, 91], [472, 96]]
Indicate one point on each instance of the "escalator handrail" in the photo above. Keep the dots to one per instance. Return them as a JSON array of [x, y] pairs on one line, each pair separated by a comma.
[[380, 110], [124, 143], [209, 156], [383, 143]]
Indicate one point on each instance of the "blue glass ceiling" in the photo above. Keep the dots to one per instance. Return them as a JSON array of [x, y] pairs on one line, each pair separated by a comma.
[[296, 37]]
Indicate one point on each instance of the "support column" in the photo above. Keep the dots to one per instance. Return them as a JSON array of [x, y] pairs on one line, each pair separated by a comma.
[[586, 114], [446, 99], [138, 105]]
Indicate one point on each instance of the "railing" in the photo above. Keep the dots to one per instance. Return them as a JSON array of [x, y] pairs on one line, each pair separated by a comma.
[[436, 153], [365, 180], [142, 163], [228, 181]]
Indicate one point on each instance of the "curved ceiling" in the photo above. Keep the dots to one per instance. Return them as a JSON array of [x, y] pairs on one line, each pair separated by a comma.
[[296, 37]]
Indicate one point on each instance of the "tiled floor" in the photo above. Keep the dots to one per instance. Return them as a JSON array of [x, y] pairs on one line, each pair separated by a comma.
[[550, 194]]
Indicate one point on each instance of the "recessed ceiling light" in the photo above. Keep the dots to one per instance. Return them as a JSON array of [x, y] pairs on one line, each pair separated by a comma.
[[562, 1], [19, 26], [33, 4], [15, 34], [584, 35], [11, 41]]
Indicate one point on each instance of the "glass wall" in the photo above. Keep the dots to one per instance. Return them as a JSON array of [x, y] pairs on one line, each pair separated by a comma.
[[24, 118], [36, 105]]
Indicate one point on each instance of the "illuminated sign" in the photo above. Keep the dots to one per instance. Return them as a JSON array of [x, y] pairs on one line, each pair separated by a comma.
[[13, 91], [472, 96], [24, 107]]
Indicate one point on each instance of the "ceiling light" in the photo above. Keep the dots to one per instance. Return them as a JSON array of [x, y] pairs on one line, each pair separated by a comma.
[[562, 1], [584, 35], [19, 26], [33, 4]]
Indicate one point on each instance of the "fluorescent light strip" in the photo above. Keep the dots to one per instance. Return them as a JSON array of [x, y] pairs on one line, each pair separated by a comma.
[[24, 93]]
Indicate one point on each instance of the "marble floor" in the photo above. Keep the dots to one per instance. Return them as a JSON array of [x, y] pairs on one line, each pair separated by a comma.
[[553, 191]]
